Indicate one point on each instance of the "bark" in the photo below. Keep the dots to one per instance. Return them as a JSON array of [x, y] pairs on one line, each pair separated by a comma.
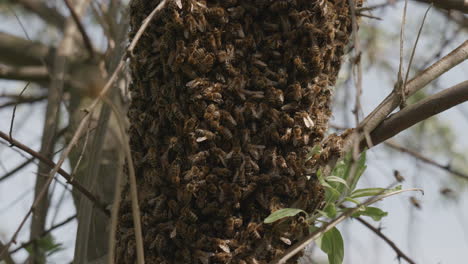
[[226, 102]]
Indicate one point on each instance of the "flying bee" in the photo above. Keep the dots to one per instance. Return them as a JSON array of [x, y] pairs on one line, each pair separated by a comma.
[[415, 202], [252, 230]]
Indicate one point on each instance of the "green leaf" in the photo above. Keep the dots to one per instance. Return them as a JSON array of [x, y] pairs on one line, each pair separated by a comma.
[[349, 199], [374, 212], [331, 194], [330, 210], [361, 167], [282, 213], [332, 243], [373, 191], [336, 179]]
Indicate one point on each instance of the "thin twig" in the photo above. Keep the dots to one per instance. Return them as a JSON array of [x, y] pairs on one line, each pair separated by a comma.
[[399, 88], [65, 175], [52, 228], [14, 112], [79, 25], [414, 50], [425, 159], [15, 170], [392, 244], [431, 73]]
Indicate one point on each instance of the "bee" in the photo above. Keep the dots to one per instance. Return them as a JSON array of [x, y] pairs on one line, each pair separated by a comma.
[[189, 215], [151, 157], [300, 65], [222, 257], [269, 158], [203, 135], [235, 157], [219, 154], [251, 166], [415, 202], [225, 132], [446, 191], [228, 119], [173, 207], [206, 63], [305, 118], [236, 12], [222, 172], [274, 96], [284, 139], [398, 176], [231, 225], [294, 92], [252, 230], [297, 135], [230, 69], [216, 13], [211, 39], [174, 172], [248, 190], [199, 157]]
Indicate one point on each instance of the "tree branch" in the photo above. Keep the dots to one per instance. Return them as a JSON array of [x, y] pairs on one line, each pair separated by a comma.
[[50, 15], [52, 228], [425, 159], [379, 233], [60, 171], [392, 101], [415, 113], [19, 51], [38, 74], [460, 5]]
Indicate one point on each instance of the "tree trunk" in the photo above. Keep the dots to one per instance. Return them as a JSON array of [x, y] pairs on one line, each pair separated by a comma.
[[227, 101]]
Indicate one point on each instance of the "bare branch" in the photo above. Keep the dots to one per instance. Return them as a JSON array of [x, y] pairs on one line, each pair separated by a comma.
[[24, 100], [79, 25], [37, 74], [392, 244], [52, 228], [7, 257], [424, 109], [60, 171], [392, 101], [460, 5], [15, 170], [50, 15], [425, 159], [19, 51]]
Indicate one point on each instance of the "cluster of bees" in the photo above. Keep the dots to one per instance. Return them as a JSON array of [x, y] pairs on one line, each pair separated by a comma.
[[228, 97]]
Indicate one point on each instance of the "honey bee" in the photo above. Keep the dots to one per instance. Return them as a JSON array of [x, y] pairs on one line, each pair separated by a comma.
[[294, 92], [222, 172], [251, 166], [173, 207], [236, 12], [300, 65], [235, 157], [199, 157], [219, 154], [189, 215], [222, 257], [216, 13], [305, 118], [203, 135], [174, 172], [274, 96], [228, 119], [415, 202], [297, 135], [398, 176], [225, 132], [252, 230], [248, 190], [151, 157], [284, 139]]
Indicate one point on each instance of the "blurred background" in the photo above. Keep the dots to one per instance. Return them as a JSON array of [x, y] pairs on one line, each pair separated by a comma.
[[429, 229]]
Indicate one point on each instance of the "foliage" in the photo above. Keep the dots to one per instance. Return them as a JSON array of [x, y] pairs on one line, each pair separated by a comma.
[[46, 245], [339, 188]]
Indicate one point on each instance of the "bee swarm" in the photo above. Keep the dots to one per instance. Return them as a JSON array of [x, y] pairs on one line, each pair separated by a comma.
[[227, 98]]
